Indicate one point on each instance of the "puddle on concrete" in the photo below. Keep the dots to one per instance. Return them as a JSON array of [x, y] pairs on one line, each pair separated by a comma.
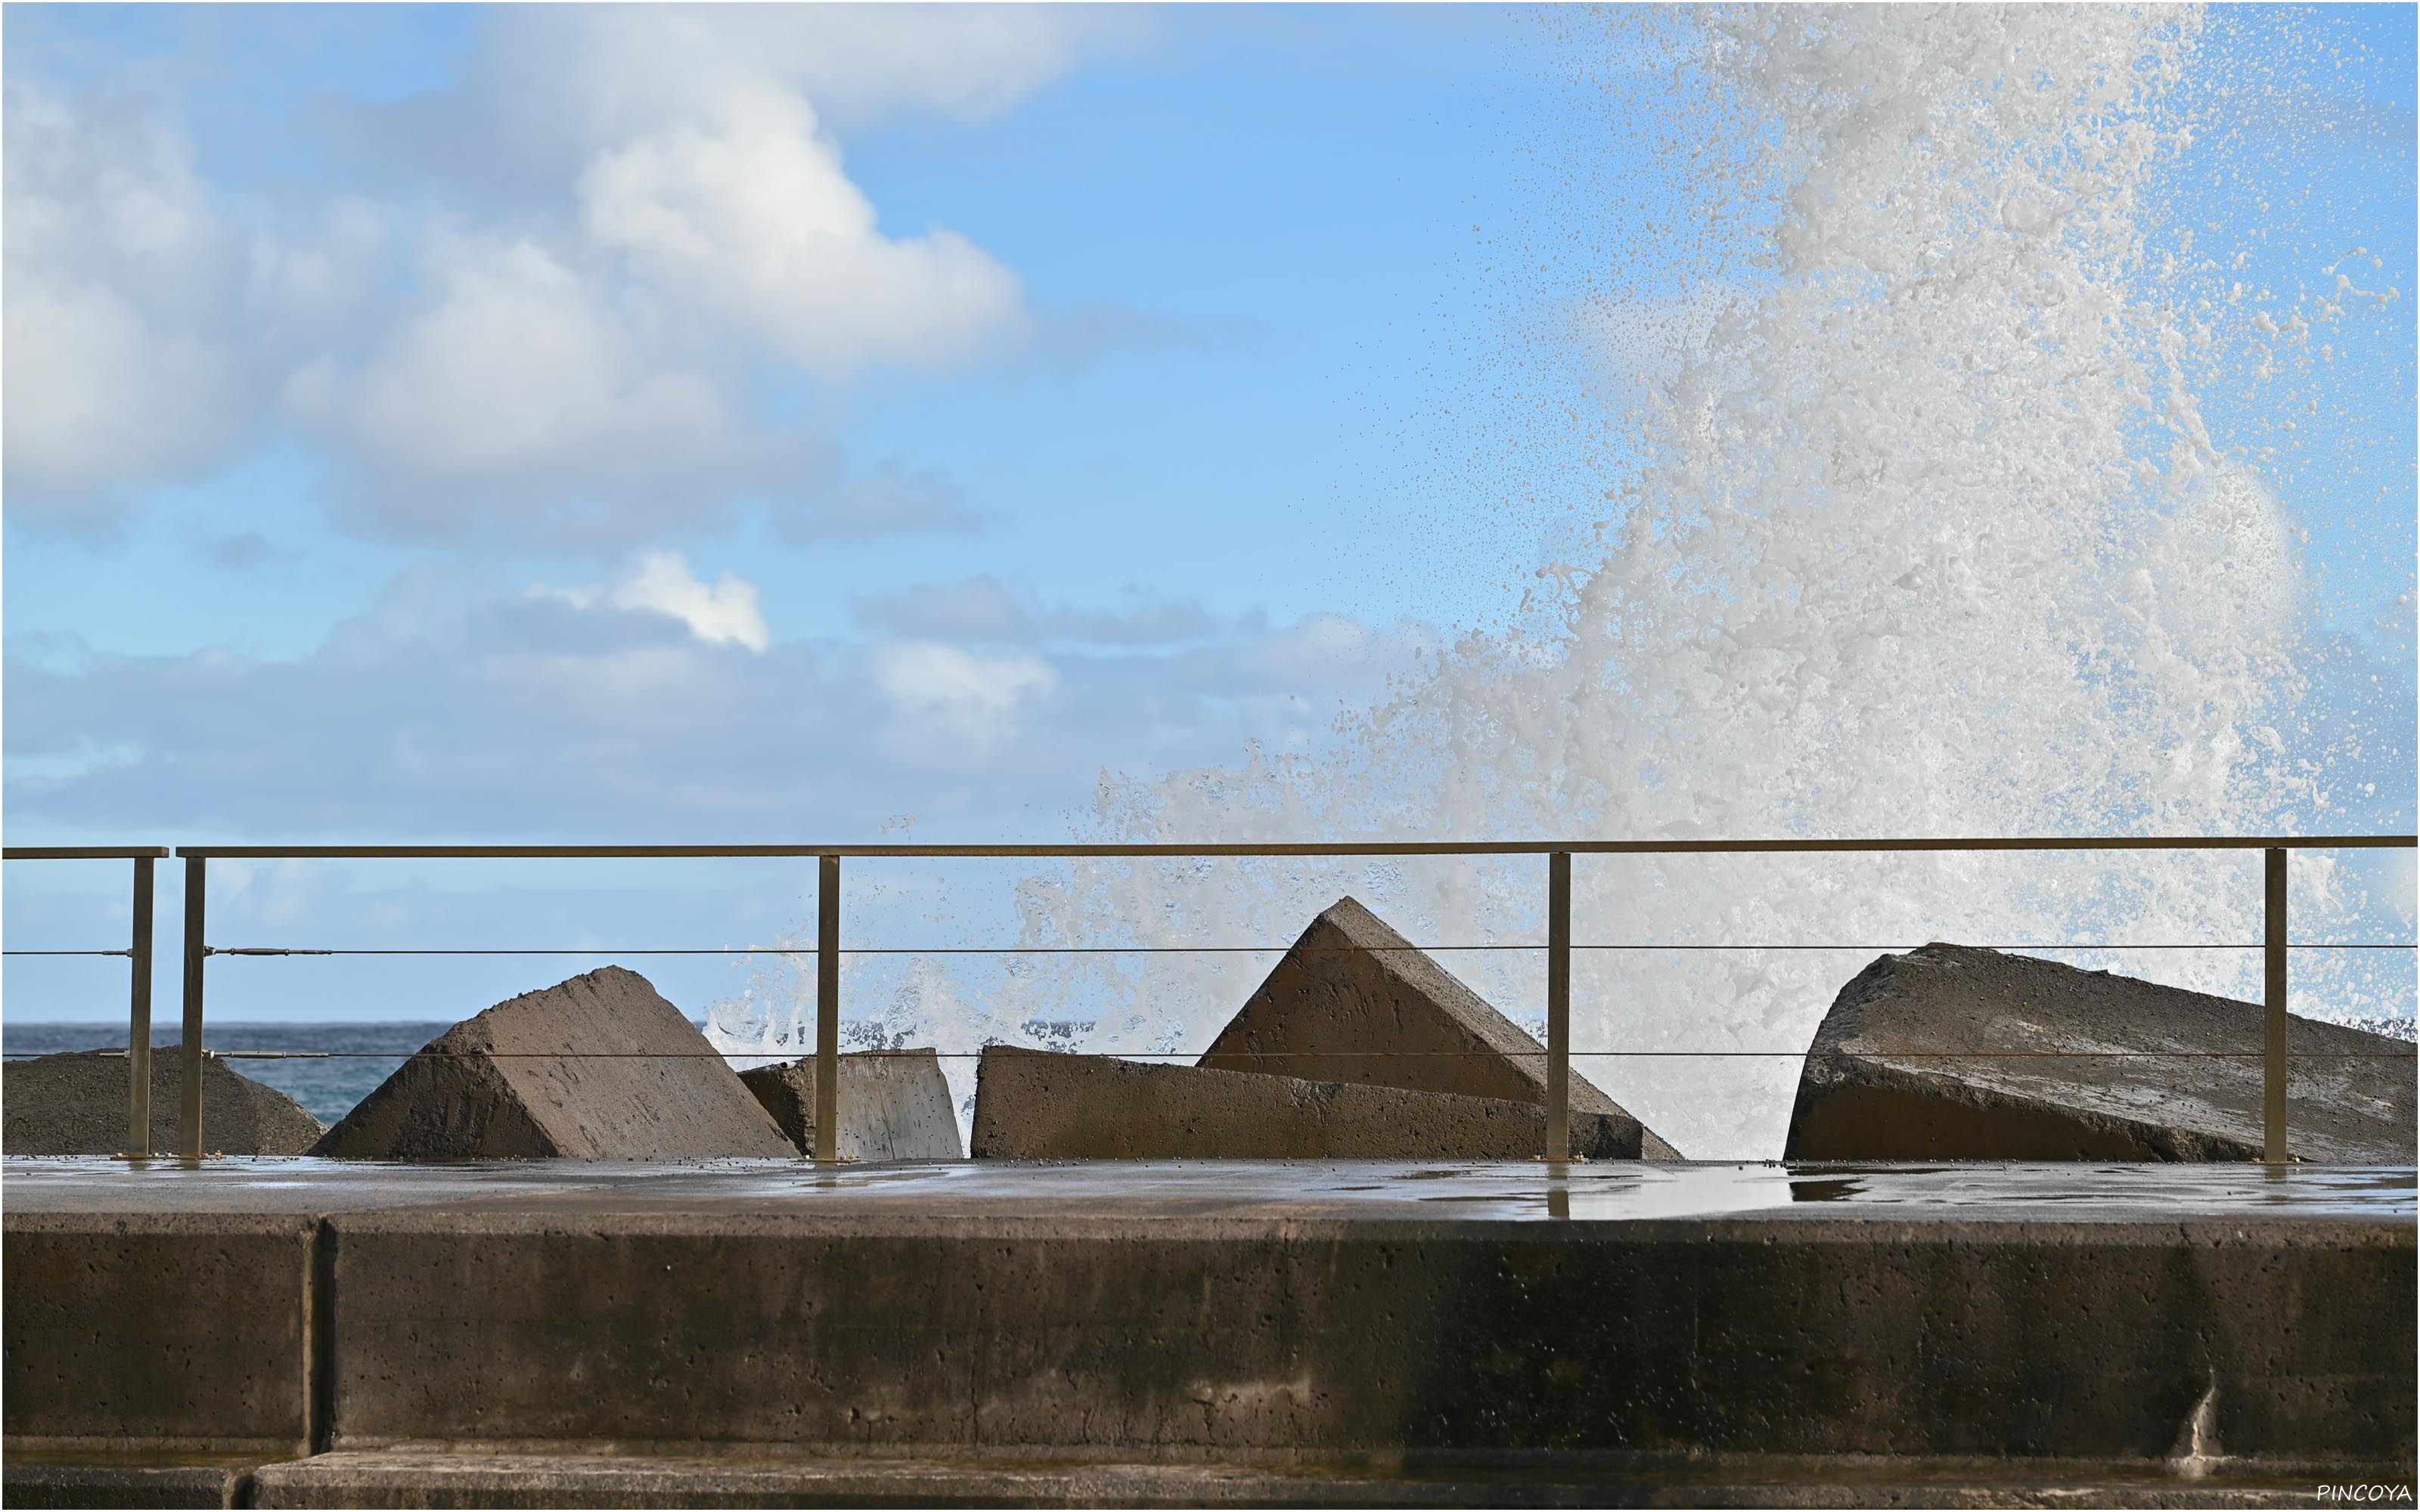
[[862, 1179]]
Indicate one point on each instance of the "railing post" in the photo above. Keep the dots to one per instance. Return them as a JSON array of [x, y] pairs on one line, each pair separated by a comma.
[[2273, 1039], [196, 889], [828, 1009], [1558, 1006], [138, 1018]]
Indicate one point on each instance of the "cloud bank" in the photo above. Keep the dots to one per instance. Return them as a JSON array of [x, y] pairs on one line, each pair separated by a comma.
[[651, 704]]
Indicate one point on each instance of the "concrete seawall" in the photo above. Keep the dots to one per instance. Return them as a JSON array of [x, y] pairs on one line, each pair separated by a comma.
[[1590, 1324]]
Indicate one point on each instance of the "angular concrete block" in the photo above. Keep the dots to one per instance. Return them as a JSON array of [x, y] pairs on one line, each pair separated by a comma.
[[597, 1068], [1952, 1053], [1351, 988], [75, 1104], [895, 1104], [1038, 1105]]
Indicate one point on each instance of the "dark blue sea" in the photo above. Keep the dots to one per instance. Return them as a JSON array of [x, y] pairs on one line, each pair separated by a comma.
[[358, 1056]]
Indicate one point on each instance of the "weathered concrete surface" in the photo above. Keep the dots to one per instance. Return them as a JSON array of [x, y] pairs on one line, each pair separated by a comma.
[[1518, 1315], [1351, 990], [75, 1104], [1037, 1104], [597, 1068], [895, 1104], [1953, 1053], [37, 1480], [455, 1476], [1850, 1339], [440, 1478], [176, 1330]]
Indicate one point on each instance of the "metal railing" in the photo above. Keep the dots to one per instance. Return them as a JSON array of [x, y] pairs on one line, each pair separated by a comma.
[[828, 949], [138, 992]]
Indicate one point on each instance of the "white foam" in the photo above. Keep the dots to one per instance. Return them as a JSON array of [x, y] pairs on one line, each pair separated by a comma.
[[1922, 536]]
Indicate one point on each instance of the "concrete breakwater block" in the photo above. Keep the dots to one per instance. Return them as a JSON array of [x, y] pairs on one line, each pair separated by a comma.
[[597, 1068], [895, 1104], [1039, 1104], [1952, 1053], [75, 1104], [1354, 1001]]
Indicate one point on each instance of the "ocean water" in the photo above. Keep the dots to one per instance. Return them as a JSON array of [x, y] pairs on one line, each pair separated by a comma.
[[1943, 429], [359, 1055]]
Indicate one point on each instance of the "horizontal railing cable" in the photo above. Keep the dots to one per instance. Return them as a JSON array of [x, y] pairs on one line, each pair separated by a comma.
[[1301, 849], [1155, 949], [1181, 949], [1324, 1054]]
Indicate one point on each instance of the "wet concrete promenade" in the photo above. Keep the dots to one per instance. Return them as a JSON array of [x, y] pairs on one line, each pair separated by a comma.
[[293, 1331], [1162, 1190]]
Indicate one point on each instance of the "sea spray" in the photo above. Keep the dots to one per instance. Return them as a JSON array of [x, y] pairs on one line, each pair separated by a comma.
[[1917, 530]]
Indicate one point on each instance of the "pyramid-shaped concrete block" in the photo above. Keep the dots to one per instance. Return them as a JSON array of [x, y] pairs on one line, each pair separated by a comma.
[[1954, 1053], [597, 1068], [1354, 1001], [895, 1104], [1039, 1104], [75, 1104]]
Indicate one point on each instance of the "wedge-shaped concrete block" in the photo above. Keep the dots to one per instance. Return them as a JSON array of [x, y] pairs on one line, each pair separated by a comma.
[[1354, 1001], [895, 1104], [1953, 1053], [75, 1104], [597, 1068], [1039, 1104]]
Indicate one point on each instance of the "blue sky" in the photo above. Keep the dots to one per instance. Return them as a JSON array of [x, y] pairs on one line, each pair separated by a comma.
[[450, 449]]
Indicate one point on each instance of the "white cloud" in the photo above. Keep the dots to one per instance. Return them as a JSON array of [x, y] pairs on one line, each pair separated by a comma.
[[105, 392], [751, 221], [520, 387], [978, 608], [660, 583], [959, 694], [616, 230], [581, 74], [515, 363], [985, 608], [726, 611], [119, 333], [321, 285]]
